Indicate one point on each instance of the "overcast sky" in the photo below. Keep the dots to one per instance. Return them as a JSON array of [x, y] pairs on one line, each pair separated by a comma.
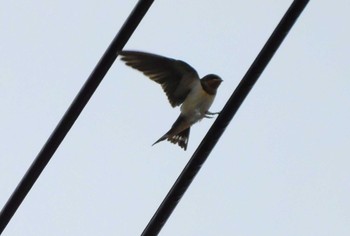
[[281, 167]]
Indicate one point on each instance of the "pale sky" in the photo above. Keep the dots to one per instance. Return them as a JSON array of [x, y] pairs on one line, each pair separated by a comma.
[[281, 167]]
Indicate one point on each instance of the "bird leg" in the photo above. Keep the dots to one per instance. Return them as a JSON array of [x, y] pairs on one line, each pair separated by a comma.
[[210, 115]]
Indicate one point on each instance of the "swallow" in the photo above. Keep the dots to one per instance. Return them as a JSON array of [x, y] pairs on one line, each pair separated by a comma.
[[182, 86]]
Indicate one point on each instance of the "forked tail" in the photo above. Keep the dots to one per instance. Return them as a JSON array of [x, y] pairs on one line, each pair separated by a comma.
[[181, 138], [178, 134]]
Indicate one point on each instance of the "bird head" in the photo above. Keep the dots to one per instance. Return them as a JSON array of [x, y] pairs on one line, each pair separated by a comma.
[[210, 83]]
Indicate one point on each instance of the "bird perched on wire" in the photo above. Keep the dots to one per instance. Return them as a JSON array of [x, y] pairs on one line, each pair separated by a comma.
[[182, 85]]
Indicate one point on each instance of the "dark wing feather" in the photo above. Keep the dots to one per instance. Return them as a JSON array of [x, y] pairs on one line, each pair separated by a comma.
[[176, 77]]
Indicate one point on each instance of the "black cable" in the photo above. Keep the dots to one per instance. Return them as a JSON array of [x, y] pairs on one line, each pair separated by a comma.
[[205, 147], [73, 112]]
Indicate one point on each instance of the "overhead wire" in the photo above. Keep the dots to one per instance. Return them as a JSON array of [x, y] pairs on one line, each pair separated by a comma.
[[73, 112], [240, 93]]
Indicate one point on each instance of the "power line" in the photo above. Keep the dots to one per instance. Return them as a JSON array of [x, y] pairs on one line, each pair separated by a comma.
[[205, 147], [73, 112]]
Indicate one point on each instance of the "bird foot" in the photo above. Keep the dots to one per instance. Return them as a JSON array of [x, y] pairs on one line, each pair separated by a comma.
[[210, 115]]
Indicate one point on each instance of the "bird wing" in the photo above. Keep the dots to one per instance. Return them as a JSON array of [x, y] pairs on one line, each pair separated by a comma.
[[176, 77]]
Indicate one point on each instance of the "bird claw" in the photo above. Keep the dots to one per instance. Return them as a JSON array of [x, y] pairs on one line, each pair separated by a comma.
[[210, 115]]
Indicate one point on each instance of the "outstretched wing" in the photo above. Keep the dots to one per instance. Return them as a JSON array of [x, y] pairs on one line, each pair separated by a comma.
[[176, 77]]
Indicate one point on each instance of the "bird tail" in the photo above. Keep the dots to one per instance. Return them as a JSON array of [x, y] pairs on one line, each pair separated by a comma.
[[173, 136], [181, 138]]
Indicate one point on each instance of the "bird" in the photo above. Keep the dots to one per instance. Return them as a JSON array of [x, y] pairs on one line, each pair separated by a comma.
[[182, 85]]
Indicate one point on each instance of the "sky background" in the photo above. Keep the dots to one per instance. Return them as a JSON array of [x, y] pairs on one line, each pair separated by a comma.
[[280, 168]]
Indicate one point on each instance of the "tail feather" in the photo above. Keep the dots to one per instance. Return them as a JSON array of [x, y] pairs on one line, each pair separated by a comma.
[[178, 134], [181, 138], [161, 139]]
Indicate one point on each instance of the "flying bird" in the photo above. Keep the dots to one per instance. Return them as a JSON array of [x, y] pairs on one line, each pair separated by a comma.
[[182, 86]]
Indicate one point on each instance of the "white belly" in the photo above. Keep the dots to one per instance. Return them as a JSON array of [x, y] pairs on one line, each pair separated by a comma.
[[196, 104]]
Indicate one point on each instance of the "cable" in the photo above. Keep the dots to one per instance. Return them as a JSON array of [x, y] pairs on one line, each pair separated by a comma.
[[205, 147], [73, 112]]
